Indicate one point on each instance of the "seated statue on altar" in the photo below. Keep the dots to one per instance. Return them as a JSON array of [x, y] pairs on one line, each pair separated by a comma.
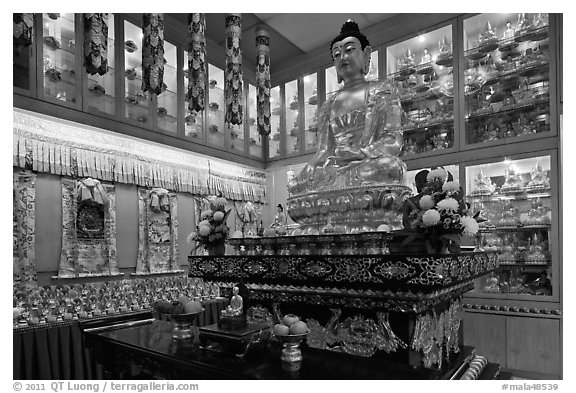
[[233, 318], [360, 136]]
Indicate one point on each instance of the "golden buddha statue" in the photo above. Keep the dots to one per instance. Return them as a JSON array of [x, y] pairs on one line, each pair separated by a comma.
[[359, 137]]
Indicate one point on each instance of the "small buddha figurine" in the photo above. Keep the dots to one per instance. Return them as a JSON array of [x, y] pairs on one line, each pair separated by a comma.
[[408, 60], [426, 57], [538, 179], [488, 40], [483, 185], [535, 252], [513, 182], [234, 309], [236, 302], [509, 31]]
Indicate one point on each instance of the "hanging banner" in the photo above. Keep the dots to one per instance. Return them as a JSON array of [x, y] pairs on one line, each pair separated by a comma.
[[153, 53], [23, 25], [234, 100], [197, 66], [263, 80], [96, 43]]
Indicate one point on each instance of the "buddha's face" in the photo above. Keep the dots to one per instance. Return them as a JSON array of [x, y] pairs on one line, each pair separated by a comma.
[[349, 58]]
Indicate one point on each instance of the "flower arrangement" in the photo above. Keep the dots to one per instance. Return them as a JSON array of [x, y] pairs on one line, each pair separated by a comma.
[[212, 230], [441, 215]]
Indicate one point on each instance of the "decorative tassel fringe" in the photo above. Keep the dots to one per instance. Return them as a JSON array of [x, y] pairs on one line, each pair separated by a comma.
[[38, 148]]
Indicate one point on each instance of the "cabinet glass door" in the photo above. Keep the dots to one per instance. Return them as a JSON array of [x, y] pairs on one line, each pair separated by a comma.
[[274, 141], [215, 106], [137, 101], [193, 121], [167, 112], [22, 56], [422, 68], [255, 146], [101, 95], [373, 73], [514, 197], [59, 57], [507, 76], [310, 112], [292, 125], [331, 80]]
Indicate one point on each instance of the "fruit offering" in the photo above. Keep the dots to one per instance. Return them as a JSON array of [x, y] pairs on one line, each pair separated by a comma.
[[290, 325], [183, 306]]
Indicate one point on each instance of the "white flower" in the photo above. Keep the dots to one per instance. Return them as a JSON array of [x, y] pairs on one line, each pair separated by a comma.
[[431, 217], [426, 202], [448, 204], [451, 186], [191, 237], [437, 173], [469, 225]]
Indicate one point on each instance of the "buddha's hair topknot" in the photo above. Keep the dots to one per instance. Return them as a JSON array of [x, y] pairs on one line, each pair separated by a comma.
[[350, 29]]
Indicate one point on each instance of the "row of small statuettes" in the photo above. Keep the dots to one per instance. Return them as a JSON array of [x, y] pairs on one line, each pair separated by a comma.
[[50, 304]]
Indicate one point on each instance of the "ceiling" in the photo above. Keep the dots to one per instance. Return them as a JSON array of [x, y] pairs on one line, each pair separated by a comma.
[[291, 35]]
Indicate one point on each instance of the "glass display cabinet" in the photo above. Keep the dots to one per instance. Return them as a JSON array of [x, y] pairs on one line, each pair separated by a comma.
[[23, 57], [515, 198], [422, 69], [310, 112], [506, 76], [101, 89], [292, 119], [215, 106], [193, 122], [59, 59], [167, 100], [137, 102], [255, 144], [274, 141]]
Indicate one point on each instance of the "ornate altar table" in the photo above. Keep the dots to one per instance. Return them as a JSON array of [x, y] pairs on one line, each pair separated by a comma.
[[404, 308], [148, 351]]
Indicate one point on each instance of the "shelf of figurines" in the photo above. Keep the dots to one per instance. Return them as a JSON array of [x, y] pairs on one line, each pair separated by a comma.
[[536, 106], [38, 306]]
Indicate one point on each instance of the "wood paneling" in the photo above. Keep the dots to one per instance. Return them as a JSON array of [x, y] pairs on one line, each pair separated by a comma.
[[533, 345], [487, 333]]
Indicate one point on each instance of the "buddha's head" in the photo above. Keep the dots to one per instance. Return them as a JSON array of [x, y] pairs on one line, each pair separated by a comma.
[[351, 52]]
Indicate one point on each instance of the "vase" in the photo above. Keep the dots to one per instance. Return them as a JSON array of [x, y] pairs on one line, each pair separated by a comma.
[[216, 249], [436, 247], [447, 245]]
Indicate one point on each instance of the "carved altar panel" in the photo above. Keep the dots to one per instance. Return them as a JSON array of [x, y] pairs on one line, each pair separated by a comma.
[[88, 229], [157, 231]]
